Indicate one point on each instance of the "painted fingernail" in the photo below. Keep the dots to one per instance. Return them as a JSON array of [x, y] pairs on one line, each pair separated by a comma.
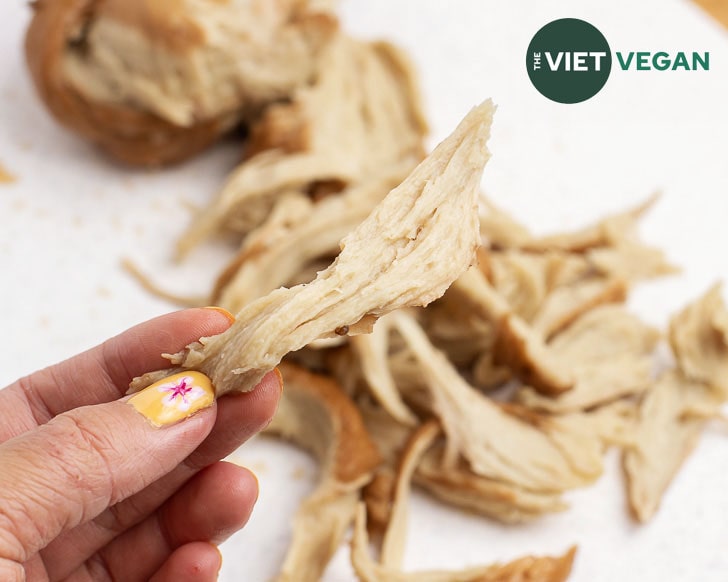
[[225, 312], [174, 398]]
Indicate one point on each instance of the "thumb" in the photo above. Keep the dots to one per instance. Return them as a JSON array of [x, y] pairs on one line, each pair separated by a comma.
[[69, 470]]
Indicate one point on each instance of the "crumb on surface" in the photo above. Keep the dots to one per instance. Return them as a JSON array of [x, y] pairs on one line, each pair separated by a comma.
[[299, 473], [258, 467], [5, 176]]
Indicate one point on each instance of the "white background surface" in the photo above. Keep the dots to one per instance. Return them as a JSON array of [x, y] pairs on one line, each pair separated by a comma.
[[72, 216]]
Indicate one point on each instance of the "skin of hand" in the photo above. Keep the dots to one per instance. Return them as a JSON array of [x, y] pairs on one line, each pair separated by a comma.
[[91, 490]]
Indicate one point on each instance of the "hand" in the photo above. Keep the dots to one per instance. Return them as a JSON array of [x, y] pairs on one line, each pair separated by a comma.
[[91, 490]]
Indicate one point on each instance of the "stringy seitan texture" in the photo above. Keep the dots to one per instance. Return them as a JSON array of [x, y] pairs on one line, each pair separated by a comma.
[[407, 252], [357, 124], [606, 334], [389, 566], [456, 485], [535, 312], [316, 414], [541, 322], [538, 457]]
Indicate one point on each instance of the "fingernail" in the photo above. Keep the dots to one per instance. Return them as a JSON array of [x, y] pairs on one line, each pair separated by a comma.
[[257, 486], [225, 312], [174, 398], [220, 554], [280, 378]]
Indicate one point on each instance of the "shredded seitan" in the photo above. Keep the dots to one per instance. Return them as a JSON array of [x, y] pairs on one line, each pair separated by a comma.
[[530, 568], [674, 411], [532, 456], [407, 252], [671, 418], [359, 125], [699, 338], [316, 414], [611, 351]]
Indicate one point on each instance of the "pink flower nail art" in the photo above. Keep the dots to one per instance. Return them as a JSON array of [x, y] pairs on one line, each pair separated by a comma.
[[181, 393]]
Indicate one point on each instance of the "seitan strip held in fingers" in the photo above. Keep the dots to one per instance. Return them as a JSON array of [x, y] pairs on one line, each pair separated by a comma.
[[407, 252]]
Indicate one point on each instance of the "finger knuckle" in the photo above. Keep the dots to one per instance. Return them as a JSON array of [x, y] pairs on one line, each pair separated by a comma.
[[11, 571], [85, 451], [98, 569], [121, 516]]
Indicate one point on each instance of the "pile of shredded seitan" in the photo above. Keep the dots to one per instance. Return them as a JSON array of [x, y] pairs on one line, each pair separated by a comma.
[[425, 337], [500, 395]]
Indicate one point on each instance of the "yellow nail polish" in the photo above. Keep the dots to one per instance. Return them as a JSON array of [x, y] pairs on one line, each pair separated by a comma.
[[224, 311], [174, 398]]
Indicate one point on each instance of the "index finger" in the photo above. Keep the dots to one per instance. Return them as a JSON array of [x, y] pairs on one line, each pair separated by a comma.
[[103, 373]]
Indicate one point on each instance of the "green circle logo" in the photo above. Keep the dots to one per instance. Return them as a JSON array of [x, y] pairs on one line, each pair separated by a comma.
[[568, 60]]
